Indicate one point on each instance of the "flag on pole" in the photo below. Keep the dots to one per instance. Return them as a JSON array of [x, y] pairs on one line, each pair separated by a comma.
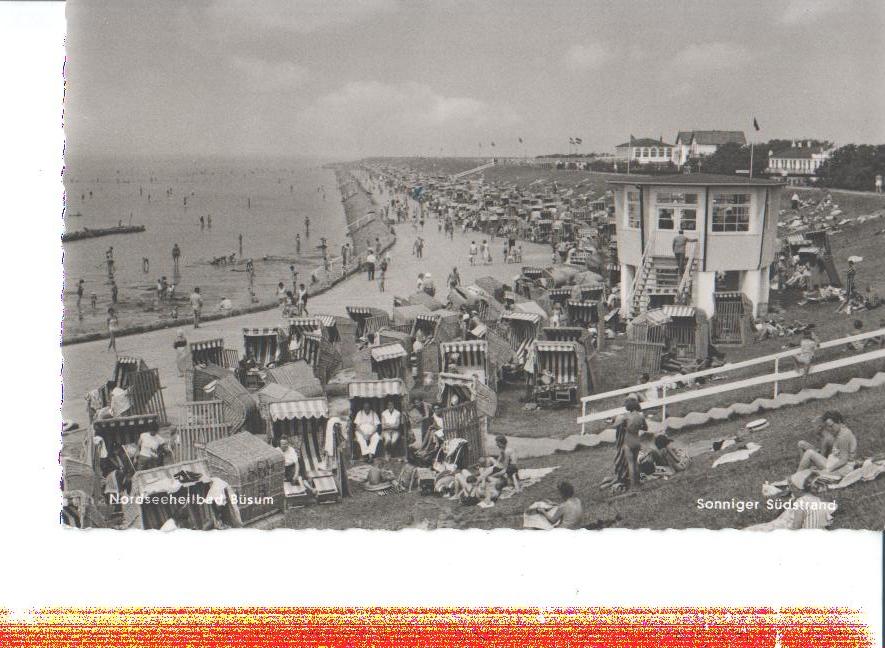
[[520, 139], [755, 124], [571, 140], [578, 140], [493, 143]]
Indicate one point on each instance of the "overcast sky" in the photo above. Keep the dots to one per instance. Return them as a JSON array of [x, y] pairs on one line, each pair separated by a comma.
[[352, 78]]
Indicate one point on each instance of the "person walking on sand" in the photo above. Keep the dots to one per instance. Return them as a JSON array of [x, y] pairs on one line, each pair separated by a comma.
[[382, 275], [113, 325], [307, 226], [176, 255], [196, 300], [298, 244], [371, 259], [114, 292], [472, 252], [80, 288], [182, 355], [454, 278], [202, 223], [485, 253], [302, 299]]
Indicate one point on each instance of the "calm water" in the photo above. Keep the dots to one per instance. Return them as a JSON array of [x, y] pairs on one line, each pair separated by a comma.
[[101, 193]]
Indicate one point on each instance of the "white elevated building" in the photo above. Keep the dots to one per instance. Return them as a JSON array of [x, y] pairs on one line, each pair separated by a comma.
[[731, 222]]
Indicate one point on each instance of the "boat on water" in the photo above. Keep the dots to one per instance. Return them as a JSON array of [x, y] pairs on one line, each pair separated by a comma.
[[87, 233]]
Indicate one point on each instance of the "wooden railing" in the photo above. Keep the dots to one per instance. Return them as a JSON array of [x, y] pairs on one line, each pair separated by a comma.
[[640, 278], [775, 378], [691, 247]]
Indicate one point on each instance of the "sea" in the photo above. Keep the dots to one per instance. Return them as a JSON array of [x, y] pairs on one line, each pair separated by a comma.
[[264, 200]]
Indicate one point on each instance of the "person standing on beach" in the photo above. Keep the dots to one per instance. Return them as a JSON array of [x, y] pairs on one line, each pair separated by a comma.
[[80, 289], [113, 326], [370, 265], [344, 255], [298, 244], [109, 260], [294, 273], [241, 246], [472, 251], [209, 221], [176, 255], [307, 226], [302, 299], [197, 305], [382, 275], [114, 292], [202, 223]]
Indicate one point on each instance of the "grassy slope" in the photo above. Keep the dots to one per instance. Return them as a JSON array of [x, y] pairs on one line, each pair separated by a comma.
[[671, 503]]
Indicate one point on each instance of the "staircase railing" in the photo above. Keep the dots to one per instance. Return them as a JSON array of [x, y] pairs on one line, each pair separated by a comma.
[[641, 277], [691, 249]]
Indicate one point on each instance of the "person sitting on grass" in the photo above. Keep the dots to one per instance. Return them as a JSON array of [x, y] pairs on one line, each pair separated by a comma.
[[841, 451], [666, 455], [569, 513], [505, 463], [808, 510]]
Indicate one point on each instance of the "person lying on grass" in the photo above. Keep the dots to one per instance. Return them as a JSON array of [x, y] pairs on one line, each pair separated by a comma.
[[832, 456]]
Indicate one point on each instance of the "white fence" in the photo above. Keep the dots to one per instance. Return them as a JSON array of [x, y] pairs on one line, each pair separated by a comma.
[[775, 378]]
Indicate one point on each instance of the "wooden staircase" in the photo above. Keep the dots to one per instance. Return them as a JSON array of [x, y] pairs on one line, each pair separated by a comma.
[[659, 276]]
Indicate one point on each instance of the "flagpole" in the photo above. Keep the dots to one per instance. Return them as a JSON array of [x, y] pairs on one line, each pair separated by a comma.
[[751, 159]]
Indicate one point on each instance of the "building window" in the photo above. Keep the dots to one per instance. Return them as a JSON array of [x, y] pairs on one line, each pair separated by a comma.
[[731, 212], [682, 207], [634, 206], [645, 152], [666, 218], [637, 152], [654, 152]]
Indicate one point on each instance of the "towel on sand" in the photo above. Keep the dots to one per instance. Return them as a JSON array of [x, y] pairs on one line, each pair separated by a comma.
[[737, 455]]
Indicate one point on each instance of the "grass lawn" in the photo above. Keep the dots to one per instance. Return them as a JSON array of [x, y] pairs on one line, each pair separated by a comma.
[[673, 503]]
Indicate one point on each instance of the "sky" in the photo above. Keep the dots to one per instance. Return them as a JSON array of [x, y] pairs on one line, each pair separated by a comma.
[[345, 79]]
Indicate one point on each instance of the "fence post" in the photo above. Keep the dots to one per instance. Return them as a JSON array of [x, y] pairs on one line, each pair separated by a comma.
[[776, 372], [664, 407]]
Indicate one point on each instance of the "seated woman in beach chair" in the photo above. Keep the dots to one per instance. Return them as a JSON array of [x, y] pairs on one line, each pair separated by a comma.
[[424, 454], [391, 429], [292, 474], [450, 456]]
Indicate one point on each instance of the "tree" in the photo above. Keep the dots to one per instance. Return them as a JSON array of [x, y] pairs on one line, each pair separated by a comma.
[[853, 167], [731, 158]]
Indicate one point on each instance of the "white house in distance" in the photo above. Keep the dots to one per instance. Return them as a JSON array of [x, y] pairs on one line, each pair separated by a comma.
[[732, 221], [644, 150], [800, 160], [701, 143]]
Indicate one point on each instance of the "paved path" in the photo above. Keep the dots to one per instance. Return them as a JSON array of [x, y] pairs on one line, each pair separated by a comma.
[[88, 365]]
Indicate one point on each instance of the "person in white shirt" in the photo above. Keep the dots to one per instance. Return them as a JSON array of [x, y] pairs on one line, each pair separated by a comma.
[[391, 423], [371, 259], [366, 423], [291, 466], [151, 447]]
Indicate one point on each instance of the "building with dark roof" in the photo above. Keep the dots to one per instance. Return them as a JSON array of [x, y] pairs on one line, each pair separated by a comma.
[[799, 161], [701, 143], [645, 150]]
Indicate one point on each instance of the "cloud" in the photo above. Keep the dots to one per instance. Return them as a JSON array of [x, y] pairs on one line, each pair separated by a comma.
[[806, 11], [296, 16], [365, 117], [709, 57], [265, 75], [587, 57]]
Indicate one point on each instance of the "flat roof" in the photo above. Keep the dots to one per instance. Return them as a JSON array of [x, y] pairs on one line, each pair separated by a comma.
[[695, 179]]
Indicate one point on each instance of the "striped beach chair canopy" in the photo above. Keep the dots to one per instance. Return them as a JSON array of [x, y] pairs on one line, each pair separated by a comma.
[[323, 324], [164, 480], [308, 408], [564, 333], [471, 354], [677, 310], [263, 344], [208, 351], [560, 358], [387, 352], [124, 429], [375, 388], [582, 311]]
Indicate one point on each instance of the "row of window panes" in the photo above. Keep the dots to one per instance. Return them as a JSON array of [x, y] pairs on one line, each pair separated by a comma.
[[731, 212], [664, 152]]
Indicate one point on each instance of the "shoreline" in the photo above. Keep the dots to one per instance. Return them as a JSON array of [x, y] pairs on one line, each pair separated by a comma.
[[355, 207]]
